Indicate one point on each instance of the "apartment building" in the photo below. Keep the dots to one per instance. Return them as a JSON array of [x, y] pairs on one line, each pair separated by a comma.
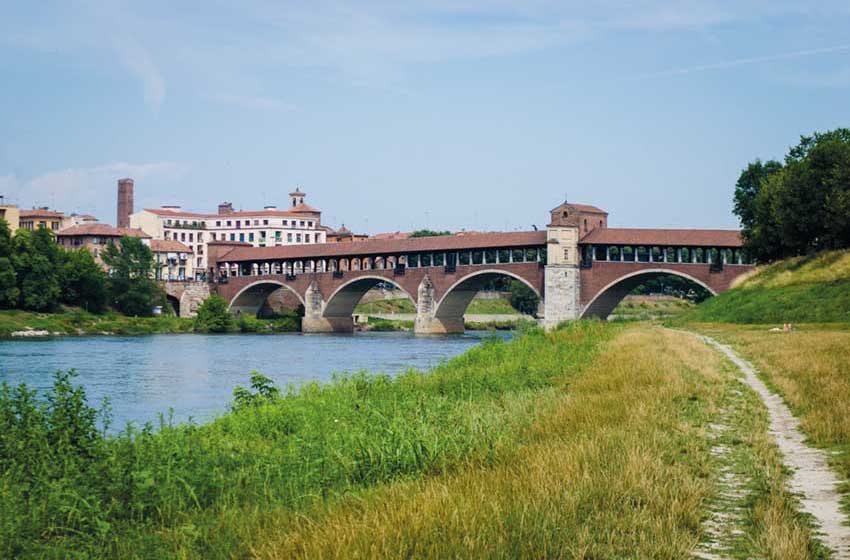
[[42, 217], [298, 224], [95, 237]]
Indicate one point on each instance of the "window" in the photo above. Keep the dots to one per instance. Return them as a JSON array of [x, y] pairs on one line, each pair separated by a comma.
[[199, 261], [168, 222], [228, 223], [306, 238], [301, 223], [251, 237], [265, 222], [191, 236], [298, 238], [183, 236], [168, 235], [566, 254], [200, 236], [262, 234], [289, 238], [218, 223], [585, 224], [285, 222], [241, 237], [212, 236], [233, 237], [256, 222], [309, 224]]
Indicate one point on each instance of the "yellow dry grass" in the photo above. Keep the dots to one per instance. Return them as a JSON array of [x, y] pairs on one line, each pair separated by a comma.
[[810, 367], [615, 466], [824, 268]]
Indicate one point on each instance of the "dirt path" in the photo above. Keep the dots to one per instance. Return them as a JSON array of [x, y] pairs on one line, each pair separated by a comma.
[[812, 478]]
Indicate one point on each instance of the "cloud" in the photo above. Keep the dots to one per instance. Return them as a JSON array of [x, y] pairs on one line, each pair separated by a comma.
[[746, 62], [87, 189], [139, 62], [253, 102]]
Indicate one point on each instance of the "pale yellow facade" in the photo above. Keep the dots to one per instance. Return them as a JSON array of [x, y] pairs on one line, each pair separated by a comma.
[[12, 215]]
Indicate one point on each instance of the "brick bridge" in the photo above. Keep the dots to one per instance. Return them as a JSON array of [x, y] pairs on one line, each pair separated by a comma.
[[578, 267]]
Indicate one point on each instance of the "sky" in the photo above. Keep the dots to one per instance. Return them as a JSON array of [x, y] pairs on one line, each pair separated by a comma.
[[397, 115]]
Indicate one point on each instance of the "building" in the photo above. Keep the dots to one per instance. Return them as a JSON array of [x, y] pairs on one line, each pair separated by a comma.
[[79, 220], [343, 235], [299, 224], [95, 237], [12, 215], [125, 202], [42, 217], [173, 260]]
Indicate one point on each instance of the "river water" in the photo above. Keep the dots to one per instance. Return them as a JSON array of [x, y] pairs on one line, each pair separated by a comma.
[[194, 375]]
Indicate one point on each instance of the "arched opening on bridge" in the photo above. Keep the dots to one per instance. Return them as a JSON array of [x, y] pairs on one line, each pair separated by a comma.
[[653, 293], [457, 299], [252, 299], [174, 303], [379, 296]]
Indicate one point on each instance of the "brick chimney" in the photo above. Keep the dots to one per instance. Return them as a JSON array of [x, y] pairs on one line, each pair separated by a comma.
[[125, 202], [225, 208]]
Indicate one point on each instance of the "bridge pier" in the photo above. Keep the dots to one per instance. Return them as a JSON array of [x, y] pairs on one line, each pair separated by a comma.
[[426, 320]]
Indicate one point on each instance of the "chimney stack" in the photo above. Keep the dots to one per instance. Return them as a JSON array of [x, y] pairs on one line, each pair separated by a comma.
[[125, 202], [225, 208]]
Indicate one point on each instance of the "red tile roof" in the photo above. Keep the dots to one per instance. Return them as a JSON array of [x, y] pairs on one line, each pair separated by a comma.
[[101, 230], [168, 246], [581, 208], [664, 237], [40, 213], [304, 209], [389, 246], [238, 214]]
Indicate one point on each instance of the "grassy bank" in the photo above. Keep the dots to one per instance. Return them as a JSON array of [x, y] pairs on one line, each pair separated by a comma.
[[499, 306], [645, 308], [79, 322], [204, 491], [589, 441], [805, 289]]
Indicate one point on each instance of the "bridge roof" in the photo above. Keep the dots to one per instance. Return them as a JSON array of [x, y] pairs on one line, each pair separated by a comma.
[[664, 237], [388, 246]]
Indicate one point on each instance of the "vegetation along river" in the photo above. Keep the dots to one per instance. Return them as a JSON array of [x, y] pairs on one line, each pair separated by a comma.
[[194, 375]]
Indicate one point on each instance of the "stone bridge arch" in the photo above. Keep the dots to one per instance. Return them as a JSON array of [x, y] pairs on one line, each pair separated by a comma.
[[343, 300], [603, 303], [251, 298]]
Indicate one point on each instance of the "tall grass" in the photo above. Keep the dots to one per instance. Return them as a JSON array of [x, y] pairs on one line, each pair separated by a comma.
[[618, 466], [66, 490]]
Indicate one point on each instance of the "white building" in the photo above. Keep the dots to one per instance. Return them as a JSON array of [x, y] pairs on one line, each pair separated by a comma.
[[298, 224]]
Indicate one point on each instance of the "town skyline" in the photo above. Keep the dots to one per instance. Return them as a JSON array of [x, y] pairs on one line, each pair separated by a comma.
[[394, 118]]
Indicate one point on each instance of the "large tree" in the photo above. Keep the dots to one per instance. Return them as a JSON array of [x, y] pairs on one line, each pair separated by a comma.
[[82, 281], [130, 287], [9, 291], [34, 258], [802, 206]]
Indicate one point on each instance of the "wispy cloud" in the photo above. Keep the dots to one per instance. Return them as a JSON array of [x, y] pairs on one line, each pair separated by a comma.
[[89, 189], [138, 60], [745, 62], [253, 102]]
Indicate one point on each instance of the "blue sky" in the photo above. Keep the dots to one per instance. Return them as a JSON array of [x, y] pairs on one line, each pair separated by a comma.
[[397, 115]]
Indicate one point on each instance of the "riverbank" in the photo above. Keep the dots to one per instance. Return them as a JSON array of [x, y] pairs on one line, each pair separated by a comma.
[[76, 322], [595, 439]]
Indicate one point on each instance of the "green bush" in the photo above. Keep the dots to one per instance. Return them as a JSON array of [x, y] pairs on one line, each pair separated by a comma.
[[214, 316]]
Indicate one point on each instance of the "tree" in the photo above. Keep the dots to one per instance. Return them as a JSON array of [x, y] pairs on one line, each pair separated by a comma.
[[129, 286], [429, 233], [747, 188], [33, 260], [82, 281], [523, 298], [214, 316], [9, 291], [802, 206]]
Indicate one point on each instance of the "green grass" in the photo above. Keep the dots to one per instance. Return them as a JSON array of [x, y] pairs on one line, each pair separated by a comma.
[[203, 491], [802, 290], [386, 306], [388, 325], [79, 322], [644, 308], [499, 306]]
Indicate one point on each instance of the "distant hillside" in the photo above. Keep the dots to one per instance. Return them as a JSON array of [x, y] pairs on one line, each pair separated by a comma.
[[804, 290]]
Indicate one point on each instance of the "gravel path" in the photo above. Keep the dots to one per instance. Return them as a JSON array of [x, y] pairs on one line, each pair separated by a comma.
[[812, 478]]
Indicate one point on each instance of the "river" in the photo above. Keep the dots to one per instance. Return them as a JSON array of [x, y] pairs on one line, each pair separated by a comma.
[[194, 375]]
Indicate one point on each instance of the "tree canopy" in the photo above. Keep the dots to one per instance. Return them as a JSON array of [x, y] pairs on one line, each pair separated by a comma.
[[799, 206]]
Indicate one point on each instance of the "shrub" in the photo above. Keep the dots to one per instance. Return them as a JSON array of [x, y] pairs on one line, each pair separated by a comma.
[[214, 316]]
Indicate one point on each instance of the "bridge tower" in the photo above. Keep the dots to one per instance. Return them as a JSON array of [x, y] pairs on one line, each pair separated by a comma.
[[562, 274]]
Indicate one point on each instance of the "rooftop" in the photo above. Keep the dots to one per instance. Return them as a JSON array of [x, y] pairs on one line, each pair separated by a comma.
[[664, 237], [101, 230], [296, 212], [168, 246], [389, 246], [41, 213]]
